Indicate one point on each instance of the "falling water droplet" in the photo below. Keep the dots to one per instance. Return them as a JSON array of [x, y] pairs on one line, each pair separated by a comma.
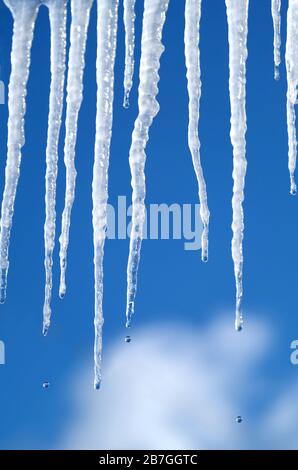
[[45, 385], [239, 419], [127, 339]]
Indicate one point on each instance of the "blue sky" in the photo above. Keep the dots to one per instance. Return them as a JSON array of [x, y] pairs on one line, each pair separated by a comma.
[[177, 293]]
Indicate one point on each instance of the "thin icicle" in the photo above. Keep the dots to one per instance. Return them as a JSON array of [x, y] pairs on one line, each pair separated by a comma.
[[152, 48], [192, 60], [107, 17], [57, 14], [275, 10], [129, 25], [80, 11], [237, 14], [24, 14], [292, 78]]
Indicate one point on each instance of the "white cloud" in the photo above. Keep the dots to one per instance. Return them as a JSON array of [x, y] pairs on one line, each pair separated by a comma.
[[176, 388]]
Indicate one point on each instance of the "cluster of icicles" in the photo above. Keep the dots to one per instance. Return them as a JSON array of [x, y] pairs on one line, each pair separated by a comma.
[[24, 14]]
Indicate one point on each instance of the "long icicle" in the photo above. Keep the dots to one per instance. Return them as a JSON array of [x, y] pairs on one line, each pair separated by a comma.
[[237, 15], [80, 11], [107, 17], [129, 25], [24, 15], [275, 10], [292, 79], [57, 14], [192, 60], [152, 48]]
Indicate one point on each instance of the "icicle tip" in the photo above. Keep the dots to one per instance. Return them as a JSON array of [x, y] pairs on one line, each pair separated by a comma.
[[45, 329], [293, 187]]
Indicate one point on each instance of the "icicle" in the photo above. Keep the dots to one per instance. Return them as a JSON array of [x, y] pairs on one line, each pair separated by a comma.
[[24, 14], [275, 10], [292, 78], [129, 24], [80, 11], [152, 48], [237, 14], [57, 14], [192, 59], [107, 16]]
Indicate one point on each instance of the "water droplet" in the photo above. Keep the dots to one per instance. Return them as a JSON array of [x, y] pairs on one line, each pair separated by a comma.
[[45, 385], [239, 419], [127, 339], [97, 385]]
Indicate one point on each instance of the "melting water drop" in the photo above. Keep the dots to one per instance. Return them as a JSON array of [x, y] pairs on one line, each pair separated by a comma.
[[239, 419], [127, 339], [45, 385]]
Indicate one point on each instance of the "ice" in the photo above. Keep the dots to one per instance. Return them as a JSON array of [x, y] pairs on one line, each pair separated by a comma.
[[57, 14], [237, 15], [151, 50], [107, 17], [192, 60], [80, 12]]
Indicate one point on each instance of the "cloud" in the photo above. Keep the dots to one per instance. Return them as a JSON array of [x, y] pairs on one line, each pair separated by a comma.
[[173, 387]]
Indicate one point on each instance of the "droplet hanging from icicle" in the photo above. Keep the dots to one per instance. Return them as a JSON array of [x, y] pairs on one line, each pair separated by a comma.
[[192, 60], [151, 50], [80, 14], [24, 15], [237, 15]]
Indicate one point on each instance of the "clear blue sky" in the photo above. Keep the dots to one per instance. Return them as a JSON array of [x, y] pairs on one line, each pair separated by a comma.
[[174, 286]]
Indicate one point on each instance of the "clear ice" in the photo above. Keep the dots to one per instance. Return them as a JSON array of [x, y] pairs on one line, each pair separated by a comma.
[[80, 14], [24, 14], [237, 15], [129, 25], [275, 10], [107, 18], [192, 60], [151, 51], [292, 79], [57, 14]]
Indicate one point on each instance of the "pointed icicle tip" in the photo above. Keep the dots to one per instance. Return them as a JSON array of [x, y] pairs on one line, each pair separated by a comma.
[[45, 329], [62, 292], [293, 188]]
